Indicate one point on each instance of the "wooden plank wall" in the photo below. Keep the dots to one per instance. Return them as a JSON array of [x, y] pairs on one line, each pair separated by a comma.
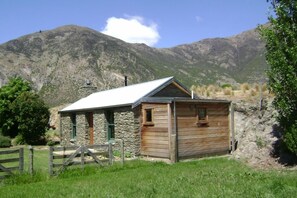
[[196, 140], [155, 138]]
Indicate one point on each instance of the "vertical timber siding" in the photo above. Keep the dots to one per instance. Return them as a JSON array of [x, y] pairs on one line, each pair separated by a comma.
[[196, 140], [154, 138]]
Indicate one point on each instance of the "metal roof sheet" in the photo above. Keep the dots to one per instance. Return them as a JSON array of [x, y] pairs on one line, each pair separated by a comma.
[[117, 97]]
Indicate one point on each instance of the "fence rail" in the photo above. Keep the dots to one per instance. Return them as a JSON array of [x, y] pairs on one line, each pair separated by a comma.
[[62, 157], [10, 161]]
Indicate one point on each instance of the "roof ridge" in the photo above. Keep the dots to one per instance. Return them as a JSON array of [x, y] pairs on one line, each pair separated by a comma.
[[137, 84]]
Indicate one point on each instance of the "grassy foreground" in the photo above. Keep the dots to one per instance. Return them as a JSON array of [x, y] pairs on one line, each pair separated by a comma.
[[216, 177]]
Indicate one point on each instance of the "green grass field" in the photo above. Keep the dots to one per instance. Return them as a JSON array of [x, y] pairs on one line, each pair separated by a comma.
[[211, 177]]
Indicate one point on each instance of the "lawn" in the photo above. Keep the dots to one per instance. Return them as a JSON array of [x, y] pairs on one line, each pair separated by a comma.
[[211, 177]]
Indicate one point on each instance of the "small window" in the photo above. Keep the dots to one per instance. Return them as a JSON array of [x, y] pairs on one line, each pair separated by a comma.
[[202, 117], [110, 125], [148, 117], [73, 126], [202, 114]]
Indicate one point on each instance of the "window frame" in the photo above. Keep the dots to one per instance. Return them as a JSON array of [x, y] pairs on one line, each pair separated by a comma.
[[109, 116], [145, 117], [202, 121], [73, 126]]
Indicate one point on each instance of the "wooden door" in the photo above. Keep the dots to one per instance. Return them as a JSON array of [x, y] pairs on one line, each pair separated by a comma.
[[91, 128]]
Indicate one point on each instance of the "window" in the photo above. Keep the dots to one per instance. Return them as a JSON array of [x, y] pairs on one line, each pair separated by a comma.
[[202, 114], [110, 124], [148, 117], [73, 126], [202, 117]]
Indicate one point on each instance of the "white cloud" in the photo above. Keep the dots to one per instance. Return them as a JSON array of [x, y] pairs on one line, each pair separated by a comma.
[[132, 30]]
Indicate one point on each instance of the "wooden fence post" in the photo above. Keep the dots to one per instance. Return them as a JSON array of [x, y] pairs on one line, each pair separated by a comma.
[[110, 154], [21, 160], [31, 154], [51, 158], [232, 128]]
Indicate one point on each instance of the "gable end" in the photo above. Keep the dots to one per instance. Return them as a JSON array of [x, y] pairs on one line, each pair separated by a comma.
[[172, 90]]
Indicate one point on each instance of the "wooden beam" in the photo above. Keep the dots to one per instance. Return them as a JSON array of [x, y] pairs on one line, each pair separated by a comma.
[[173, 138], [232, 127]]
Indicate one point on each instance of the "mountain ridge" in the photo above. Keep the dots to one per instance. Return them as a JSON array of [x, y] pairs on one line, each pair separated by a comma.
[[70, 55]]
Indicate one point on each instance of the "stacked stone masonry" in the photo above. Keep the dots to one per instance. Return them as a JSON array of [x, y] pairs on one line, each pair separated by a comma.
[[126, 123]]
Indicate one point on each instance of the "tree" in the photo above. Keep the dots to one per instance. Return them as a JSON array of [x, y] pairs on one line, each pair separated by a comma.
[[281, 46], [22, 111], [9, 93], [32, 116]]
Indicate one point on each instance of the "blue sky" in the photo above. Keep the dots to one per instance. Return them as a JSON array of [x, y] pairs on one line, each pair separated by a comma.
[[158, 23]]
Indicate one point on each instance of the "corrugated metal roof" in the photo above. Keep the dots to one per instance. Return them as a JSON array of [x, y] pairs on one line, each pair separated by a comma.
[[117, 97]]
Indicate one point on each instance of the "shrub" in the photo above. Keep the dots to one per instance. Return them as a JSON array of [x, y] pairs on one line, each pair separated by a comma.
[[264, 87], [226, 86], [244, 87], [51, 143], [253, 92], [211, 88], [228, 91], [18, 140], [260, 142], [5, 141], [290, 138], [257, 87]]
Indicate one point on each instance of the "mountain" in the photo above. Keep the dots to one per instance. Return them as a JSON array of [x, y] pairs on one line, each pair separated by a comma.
[[58, 62]]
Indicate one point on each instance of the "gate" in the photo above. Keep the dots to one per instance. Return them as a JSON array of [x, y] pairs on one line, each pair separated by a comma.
[[10, 161], [62, 157]]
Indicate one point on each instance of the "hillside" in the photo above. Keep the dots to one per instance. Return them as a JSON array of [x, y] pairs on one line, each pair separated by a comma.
[[58, 62]]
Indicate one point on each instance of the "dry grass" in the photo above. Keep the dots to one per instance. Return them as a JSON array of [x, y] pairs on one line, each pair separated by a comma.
[[228, 91], [245, 91]]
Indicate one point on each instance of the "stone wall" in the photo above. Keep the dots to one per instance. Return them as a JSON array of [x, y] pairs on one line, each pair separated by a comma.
[[100, 127], [65, 128], [127, 128], [82, 134]]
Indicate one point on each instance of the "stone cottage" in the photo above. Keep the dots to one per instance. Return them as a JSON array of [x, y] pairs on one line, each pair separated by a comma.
[[160, 118]]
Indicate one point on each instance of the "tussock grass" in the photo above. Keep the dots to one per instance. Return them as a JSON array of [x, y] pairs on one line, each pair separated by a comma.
[[214, 177], [244, 91]]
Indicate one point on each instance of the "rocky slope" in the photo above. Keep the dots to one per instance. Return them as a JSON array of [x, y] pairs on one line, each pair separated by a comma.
[[58, 62], [258, 135]]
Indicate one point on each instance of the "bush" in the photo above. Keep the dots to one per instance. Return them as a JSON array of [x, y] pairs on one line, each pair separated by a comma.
[[5, 141], [244, 87], [226, 86], [18, 140], [227, 91], [253, 92], [291, 138], [51, 143]]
